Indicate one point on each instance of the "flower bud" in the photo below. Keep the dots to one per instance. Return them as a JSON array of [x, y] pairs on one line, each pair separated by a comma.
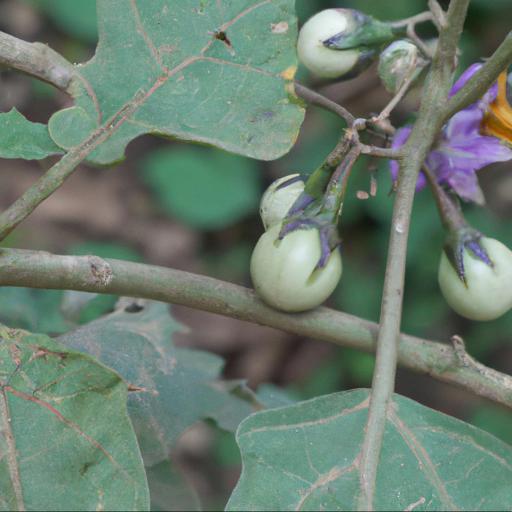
[[340, 42], [285, 272], [398, 62], [484, 291], [279, 198]]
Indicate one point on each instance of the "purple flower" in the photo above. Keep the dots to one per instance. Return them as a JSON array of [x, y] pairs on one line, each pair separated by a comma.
[[461, 149]]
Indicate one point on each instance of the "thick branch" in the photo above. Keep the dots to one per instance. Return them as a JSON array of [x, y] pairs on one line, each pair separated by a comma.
[[482, 80], [36, 59], [38, 269], [415, 151]]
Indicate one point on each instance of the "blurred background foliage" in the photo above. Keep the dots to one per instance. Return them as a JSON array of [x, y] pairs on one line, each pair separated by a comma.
[[196, 209]]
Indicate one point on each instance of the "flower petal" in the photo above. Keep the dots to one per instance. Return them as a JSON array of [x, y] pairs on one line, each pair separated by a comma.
[[456, 161], [464, 123], [473, 153], [466, 187], [464, 78]]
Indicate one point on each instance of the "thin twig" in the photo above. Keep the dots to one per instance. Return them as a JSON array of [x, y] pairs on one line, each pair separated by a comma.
[[397, 98], [413, 20], [353, 123], [410, 23], [411, 34], [316, 98], [392, 154], [421, 138], [36, 59], [438, 15], [37, 269]]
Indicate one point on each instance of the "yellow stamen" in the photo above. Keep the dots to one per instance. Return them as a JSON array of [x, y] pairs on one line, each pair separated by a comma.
[[498, 118]]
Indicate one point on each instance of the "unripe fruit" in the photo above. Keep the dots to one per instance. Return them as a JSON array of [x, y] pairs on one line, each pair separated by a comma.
[[278, 199], [284, 271], [397, 63], [487, 293], [319, 59]]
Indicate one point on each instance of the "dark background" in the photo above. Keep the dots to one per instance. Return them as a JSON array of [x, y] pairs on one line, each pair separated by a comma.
[[195, 208]]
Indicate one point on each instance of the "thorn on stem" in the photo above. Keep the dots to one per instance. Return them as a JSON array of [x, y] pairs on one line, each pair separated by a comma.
[[459, 349]]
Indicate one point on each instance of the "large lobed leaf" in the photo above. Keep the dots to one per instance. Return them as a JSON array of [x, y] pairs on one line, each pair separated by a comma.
[[212, 71], [66, 442], [306, 457], [21, 138], [174, 387]]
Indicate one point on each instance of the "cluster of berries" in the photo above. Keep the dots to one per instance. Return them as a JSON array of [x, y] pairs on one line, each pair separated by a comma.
[[290, 269]]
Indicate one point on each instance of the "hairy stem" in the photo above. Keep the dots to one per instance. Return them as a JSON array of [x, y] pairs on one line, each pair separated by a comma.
[[37, 269], [36, 59], [422, 137]]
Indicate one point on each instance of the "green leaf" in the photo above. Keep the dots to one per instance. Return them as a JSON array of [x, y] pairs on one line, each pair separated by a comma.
[[176, 387], [77, 19], [66, 442], [201, 71], [306, 457], [21, 138], [205, 188], [33, 310]]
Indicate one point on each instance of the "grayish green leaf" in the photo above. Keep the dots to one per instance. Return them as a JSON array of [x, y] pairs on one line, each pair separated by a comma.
[[66, 442], [21, 138], [33, 310], [306, 457], [212, 71], [174, 387]]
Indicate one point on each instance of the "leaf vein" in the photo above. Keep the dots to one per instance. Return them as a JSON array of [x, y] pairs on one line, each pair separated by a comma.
[[423, 459], [312, 423], [147, 40], [12, 459], [76, 428]]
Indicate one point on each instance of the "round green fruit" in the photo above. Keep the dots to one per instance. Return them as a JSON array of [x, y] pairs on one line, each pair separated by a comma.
[[487, 292], [285, 274], [320, 60]]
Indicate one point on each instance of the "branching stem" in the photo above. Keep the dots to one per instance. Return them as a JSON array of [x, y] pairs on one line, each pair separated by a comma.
[[422, 137], [37, 269]]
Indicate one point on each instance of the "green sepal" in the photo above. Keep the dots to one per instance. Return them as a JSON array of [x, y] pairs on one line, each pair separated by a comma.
[[367, 32]]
